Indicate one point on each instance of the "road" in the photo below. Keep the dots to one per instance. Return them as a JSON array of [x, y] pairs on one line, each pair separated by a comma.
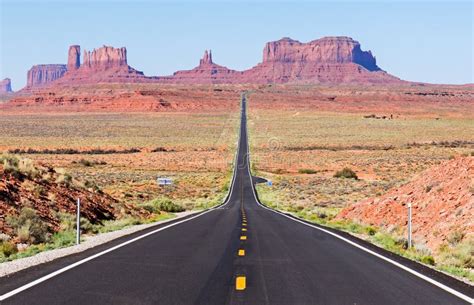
[[197, 261]]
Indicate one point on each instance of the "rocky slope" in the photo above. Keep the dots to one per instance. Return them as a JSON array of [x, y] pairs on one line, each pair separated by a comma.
[[5, 86], [130, 98], [442, 199], [47, 191]]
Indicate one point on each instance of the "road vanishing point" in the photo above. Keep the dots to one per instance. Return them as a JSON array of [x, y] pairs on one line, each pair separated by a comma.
[[240, 252]]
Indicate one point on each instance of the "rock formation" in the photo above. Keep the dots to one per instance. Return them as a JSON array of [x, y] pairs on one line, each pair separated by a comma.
[[105, 58], [206, 59], [5, 86], [325, 60], [206, 73], [329, 50], [74, 58], [105, 64], [40, 75]]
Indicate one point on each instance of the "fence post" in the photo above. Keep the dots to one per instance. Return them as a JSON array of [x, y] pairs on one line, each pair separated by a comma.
[[78, 222]]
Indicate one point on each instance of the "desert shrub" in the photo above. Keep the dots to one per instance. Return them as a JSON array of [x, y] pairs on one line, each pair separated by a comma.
[[64, 178], [67, 221], [462, 255], [86, 163], [29, 227], [455, 237], [370, 231], [19, 166], [428, 259], [162, 204], [306, 171], [8, 248], [70, 151], [63, 239], [346, 173], [89, 163]]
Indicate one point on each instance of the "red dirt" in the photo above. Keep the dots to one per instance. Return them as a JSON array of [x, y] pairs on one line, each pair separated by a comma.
[[42, 193], [442, 199]]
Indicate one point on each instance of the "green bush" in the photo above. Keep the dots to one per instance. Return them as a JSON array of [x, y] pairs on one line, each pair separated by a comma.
[[162, 204], [306, 171], [428, 259], [346, 173], [8, 248], [63, 239], [370, 231], [29, 227]]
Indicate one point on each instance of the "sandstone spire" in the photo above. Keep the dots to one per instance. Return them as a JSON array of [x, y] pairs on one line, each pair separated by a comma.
[[5, 86], [74, 58], [206, 59]]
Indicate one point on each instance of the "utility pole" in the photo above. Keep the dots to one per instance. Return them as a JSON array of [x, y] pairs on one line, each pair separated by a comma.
[[409, 226], [78, 222]]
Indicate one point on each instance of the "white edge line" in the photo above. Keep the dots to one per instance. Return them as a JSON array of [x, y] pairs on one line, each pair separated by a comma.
[[401, 266], [73, 265]]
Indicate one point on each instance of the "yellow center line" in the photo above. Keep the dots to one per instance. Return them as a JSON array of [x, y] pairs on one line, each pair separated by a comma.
[[244, 229], [240, 283], [241, 252], [243, 237]]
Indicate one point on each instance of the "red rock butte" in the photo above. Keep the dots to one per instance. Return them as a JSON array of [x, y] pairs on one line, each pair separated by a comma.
[[327, 60]]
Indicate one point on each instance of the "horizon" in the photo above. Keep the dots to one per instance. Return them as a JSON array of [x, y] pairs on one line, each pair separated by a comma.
[[218, 27]]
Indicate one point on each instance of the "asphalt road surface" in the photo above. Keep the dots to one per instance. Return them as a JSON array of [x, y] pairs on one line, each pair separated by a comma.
[[198, 261]]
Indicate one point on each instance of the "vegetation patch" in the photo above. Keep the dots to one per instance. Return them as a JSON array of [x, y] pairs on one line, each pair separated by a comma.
[[346, 173]]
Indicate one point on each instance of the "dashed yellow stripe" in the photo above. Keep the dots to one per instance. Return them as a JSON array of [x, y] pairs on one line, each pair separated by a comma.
[[240, 283], [243, 237], [241, 252]]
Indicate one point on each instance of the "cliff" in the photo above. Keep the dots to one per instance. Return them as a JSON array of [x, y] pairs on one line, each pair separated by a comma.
[[40, 75], [325, 60]]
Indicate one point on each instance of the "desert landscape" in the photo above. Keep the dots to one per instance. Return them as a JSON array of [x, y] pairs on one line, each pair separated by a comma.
[[337, 142], [353, 158]]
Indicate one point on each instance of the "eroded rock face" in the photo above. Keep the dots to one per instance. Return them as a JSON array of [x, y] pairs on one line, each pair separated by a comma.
[[328, 50], [5, 86], [105, 58], [74, 58], [325, 60], [40, 75]]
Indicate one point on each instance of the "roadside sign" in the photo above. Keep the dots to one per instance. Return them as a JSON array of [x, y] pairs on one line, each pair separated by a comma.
[[164, 181]]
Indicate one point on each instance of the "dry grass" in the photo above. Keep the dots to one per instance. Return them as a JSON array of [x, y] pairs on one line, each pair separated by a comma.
[[199, 150]]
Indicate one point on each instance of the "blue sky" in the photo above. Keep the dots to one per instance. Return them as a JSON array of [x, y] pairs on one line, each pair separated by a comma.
[[428, 41]]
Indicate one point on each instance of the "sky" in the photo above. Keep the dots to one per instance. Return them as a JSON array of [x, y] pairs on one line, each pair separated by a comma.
[[428, 41]]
